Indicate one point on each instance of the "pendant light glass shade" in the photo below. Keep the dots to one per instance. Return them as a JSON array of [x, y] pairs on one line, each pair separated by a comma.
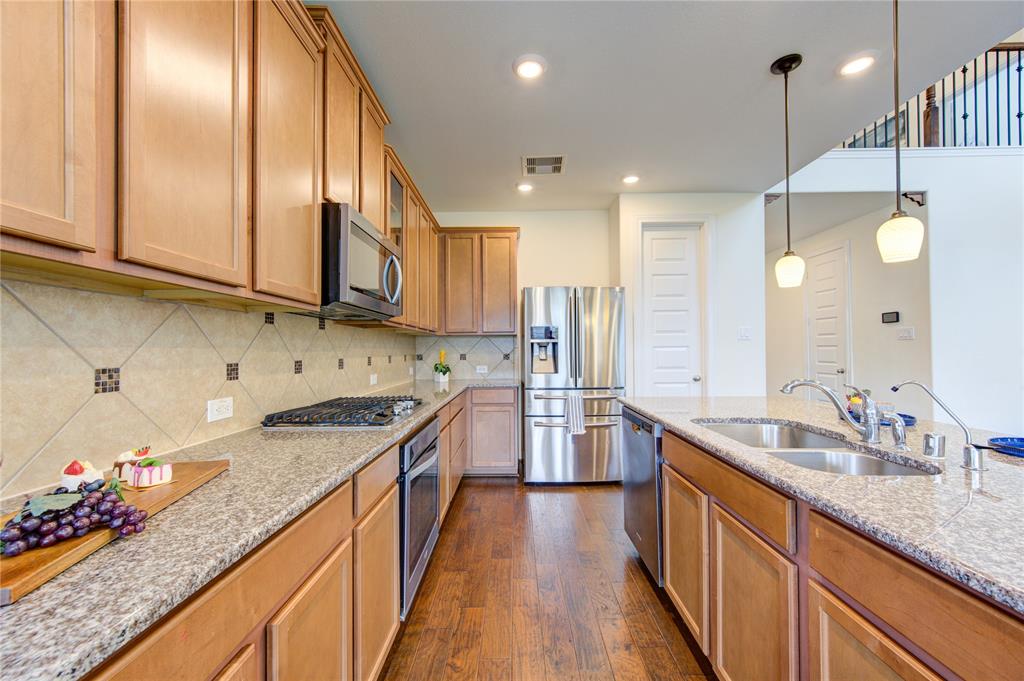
[[789, 270], [900, 238]]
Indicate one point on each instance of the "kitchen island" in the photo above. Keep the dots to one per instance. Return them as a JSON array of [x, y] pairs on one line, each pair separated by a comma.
[[82, 617]]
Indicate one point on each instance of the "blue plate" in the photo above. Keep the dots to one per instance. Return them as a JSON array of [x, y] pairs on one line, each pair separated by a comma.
[[1014, 446], [908, 420]]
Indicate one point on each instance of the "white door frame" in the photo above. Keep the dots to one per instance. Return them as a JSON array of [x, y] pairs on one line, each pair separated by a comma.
[[844, 246], [702, 224]]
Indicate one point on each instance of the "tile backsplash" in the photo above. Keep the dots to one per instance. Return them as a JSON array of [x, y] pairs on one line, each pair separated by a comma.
[[89, 375], [465, 353]]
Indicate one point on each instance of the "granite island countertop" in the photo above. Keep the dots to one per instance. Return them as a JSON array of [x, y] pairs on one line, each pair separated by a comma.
[[83, 616], [967, 526]]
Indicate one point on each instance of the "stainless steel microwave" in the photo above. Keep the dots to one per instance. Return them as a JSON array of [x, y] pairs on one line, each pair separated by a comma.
[[361, 268]]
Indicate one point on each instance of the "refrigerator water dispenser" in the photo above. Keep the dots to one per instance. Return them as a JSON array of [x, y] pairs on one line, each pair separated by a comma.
[[543, 350]]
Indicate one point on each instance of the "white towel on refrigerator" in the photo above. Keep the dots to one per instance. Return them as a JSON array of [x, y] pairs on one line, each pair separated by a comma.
[[574, 414]]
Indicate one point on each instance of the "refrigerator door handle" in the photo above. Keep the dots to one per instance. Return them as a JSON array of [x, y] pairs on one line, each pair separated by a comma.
[[578, 310], [573, 329], [555, 424]]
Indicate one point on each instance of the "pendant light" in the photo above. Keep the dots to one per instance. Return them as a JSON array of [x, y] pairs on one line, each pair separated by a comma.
[[789, 270], [900, 237]]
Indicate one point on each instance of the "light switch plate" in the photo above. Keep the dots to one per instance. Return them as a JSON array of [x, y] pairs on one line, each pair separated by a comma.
[[481, 368], [373, 379], [218, 410], [906, 333], [744, 334]]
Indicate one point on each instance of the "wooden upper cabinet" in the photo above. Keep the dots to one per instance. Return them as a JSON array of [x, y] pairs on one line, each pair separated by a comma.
[[51, 67], [185, 146], [289, 84], [498, 292], [842, 645], [685, 529], [435, 280], [426, 271], [462, 282], [310, 637], [396, 191], [411, 263], [341, 114], [754, 611], [371, 166]]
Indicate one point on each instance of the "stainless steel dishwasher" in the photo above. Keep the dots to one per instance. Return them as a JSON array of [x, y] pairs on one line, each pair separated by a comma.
[[641, 488]]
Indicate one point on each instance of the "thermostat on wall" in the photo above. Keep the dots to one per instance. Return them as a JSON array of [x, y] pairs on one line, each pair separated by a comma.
[[890, 317]]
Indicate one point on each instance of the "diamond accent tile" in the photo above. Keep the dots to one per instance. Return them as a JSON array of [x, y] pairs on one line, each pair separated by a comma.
[[268, 317], [232, 371], [173, 374], [107, 380], [298, 366]]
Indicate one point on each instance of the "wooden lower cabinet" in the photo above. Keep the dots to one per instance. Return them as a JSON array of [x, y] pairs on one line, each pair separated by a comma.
[[377, 575], [685, 532], [244, 667], [493, 437], [754, 605], [444, 458], [310, 637], [843, 646]]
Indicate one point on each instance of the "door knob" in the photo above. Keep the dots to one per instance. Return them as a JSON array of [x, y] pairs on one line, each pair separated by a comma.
[[696, 379], [840, 371]]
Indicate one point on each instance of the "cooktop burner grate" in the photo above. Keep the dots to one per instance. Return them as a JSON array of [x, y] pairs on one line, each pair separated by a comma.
[[345, 411]]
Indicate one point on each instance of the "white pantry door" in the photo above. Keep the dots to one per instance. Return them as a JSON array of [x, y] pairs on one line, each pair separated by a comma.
[[825, 315], [668, 348]]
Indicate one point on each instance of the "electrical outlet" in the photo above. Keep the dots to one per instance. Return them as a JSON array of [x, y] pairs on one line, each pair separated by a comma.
[[218, 410], [906, 333], [481, 368], [373, 379]]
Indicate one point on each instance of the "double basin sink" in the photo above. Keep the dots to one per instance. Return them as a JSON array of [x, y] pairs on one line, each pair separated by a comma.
[[811, 450]]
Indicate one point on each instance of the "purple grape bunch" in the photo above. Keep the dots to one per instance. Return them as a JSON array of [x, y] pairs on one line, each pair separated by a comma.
[[96, 508]]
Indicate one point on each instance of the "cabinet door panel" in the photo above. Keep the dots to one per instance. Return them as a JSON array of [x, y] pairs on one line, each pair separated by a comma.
[[50, 72], [411, 264], [435, 281], [371, 166], [341, 128], [395, 222], [288, 153], [310, 637], [843, 645], [754, 616], [462, 283], [243, 667], [685, 529], [493, 438], [426, 270], [498, 283], [377, 571], [445, 457], [185, 157]]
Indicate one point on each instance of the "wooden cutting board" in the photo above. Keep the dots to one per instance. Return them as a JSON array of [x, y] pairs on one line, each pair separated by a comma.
[[21, 574]]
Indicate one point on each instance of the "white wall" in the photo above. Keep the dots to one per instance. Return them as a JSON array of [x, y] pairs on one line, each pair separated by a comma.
[[975, 234], [879, 359], [734, 279], [556, 247]]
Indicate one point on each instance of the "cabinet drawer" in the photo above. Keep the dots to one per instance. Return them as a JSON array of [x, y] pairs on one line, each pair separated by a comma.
[[974, 639], [374, 479], [494, 395], [459, 428], [761, 506], [195, 639], [458, 404], [444, 415]]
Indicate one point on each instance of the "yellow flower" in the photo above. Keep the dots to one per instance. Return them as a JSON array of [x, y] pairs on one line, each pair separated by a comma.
[[442, 356]]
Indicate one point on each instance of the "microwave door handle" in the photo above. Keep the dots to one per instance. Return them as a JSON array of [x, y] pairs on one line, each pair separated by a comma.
[[398, 286], [385, 277]]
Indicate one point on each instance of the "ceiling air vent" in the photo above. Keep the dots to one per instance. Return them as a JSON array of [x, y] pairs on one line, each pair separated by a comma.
[[543, 165]]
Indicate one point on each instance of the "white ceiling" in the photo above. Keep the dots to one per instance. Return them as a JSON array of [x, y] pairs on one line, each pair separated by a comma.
[[813, 213], [676, 92]]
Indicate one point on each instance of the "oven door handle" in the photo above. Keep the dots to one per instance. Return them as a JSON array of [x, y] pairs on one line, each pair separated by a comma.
[[416, 472]]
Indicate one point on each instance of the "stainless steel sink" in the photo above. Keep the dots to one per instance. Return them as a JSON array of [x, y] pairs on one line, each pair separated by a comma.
[[846, 463], [774, 436]]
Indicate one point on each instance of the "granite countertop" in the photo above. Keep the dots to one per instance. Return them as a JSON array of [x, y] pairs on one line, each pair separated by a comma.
[[274, 476], [968, 526]]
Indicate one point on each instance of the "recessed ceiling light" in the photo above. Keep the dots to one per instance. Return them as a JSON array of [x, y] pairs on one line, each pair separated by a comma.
[[524, 187], [530, 66], [630, 179], [858, 65]]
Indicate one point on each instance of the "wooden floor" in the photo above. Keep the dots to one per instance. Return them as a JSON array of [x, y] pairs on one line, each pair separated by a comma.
[[540, 583]]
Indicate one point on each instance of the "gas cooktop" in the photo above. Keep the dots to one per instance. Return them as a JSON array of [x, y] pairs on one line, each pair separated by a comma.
[[378, 411]]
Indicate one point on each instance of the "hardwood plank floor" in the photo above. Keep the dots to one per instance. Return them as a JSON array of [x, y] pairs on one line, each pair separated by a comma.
[[540, 584]]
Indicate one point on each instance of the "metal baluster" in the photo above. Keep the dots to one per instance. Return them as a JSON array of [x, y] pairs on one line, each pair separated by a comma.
[[917, 119], [874, 135], [987, 78], [997, 100], [963, 76], [1009, 141], [976, 101], [1020, 110], [942, 135], [885, 130], [952, 121]]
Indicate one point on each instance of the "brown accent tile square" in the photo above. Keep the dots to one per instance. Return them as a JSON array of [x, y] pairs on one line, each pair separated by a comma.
[[298, 366], [369, 361], [389, 359], [321, 323], [232, 371], [341, 363], [462, 356], [268, 317], [419, 357], [107, 380], [507, 355]]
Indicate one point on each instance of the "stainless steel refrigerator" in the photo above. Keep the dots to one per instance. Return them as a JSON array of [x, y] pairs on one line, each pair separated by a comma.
[[573, 345]]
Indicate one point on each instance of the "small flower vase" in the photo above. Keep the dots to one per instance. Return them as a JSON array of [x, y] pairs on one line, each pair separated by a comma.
[[441, 379]]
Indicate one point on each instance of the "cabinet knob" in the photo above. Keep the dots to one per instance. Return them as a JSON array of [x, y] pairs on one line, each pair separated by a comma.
[[696, 379]]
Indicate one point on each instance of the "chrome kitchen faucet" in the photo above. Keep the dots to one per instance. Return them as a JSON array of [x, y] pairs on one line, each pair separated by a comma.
[[870, 425], [974, 458]]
